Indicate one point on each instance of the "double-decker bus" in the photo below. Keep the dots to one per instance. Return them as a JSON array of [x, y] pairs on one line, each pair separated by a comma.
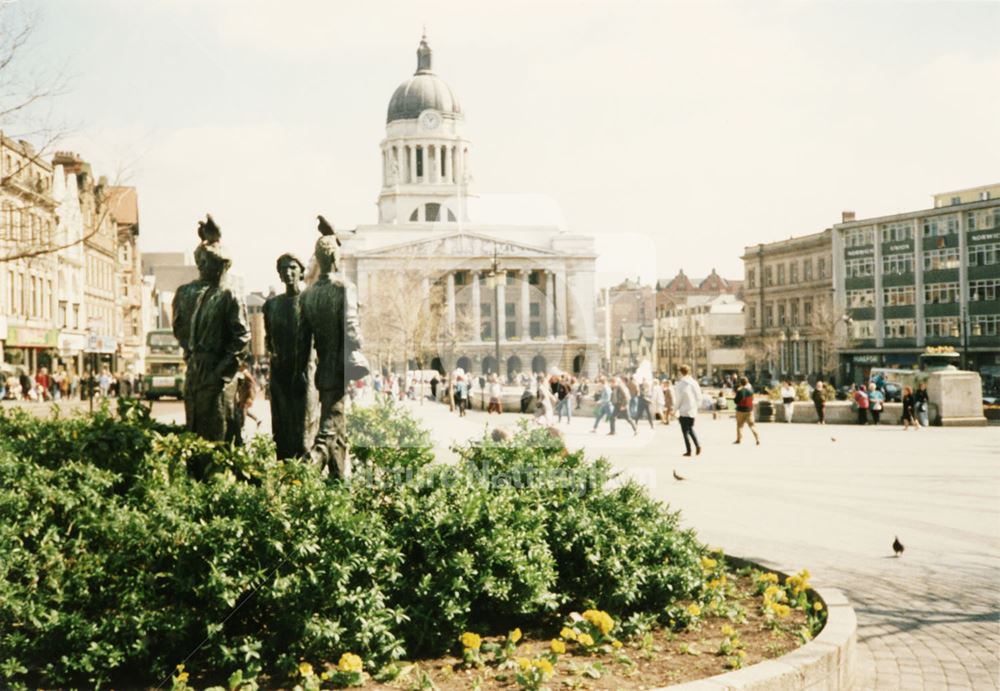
[[164, 366]]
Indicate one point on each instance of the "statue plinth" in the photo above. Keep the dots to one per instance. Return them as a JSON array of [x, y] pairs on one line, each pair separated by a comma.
[[958, 395]]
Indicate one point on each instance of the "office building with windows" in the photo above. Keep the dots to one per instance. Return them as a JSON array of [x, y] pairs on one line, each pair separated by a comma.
[[922, 278]]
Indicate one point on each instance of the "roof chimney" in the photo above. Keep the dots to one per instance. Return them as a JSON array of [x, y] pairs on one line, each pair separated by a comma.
[[846, 216]]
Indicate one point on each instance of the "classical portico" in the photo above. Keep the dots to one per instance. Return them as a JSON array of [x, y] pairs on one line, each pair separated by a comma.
[[430, 229]]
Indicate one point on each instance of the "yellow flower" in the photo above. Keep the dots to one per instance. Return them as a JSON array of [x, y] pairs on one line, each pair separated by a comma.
[[305, 669], [782, 610], [182, 677], [771, 591], [713, 584], [349, 662], [515, 635], [616, 644], [805, 574], [471, 641], [770, 577], [708, 564], [817, 606], [568, 633], [728, 630], [558, 647], [693, 609], [602, 621], [524, 663], [544, 666], [585, 639]]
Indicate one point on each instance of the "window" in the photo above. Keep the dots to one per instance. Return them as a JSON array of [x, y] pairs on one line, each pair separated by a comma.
[[985, 325], [859, 237], [956, 200], [987, 289], [510, 311], [807, 312], [420, 161], [781, 314], [941, 293], [795, 312], [432, 212], [807, 270], [863, 329], [821, 267], [768, 314], [768, 277], [859, 299], [793, 272], [941, 327], [752, 315], [984, 255], [486, 319], [751, 278], [899, 328], [781, 274], [940, 226], [859, 268], [984, 196], [899, 231], [946, 258], [76, 316], [899, 295], [897, 264], [535, 314]]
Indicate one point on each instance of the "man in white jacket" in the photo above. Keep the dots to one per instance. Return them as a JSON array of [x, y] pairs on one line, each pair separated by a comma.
[[687, 400]]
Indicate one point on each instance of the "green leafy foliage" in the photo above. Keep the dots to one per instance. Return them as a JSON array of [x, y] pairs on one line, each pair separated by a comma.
[[130, 546]]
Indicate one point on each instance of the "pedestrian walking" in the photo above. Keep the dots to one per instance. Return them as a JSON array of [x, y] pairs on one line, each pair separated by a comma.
[[668, 401], [546, 401], [861, 404], [656, 397], [909, 409], [644, 406], [687, 396], [620, 399], [246, 394], [461, 394], [494, 391], [820, 403], [603, 398], [788, 400], [526, 396], [564, 404], [434, 386], [920, 400], [744, 411], [875, 400]]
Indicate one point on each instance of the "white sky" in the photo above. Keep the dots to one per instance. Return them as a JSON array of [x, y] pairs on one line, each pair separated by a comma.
[[678, 133]]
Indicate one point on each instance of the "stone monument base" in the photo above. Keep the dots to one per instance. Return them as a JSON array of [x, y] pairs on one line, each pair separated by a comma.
[[958, 395]]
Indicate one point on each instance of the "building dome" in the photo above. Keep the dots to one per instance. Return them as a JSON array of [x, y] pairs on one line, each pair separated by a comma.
[[422, 91]]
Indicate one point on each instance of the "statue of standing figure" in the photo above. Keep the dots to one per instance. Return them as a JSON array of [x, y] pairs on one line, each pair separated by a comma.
[[211, 324], [330, 319], [288, 348]]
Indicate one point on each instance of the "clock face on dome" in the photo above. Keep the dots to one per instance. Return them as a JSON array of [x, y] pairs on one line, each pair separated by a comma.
[[430, 119]]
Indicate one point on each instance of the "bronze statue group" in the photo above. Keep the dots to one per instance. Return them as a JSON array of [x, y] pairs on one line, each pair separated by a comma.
[[312, 340]]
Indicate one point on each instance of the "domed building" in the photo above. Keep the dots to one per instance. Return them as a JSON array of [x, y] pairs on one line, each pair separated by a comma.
[[425, 272]]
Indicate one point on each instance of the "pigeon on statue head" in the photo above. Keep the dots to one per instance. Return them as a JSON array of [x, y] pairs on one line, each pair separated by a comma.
[[326, 229], [209, 233]]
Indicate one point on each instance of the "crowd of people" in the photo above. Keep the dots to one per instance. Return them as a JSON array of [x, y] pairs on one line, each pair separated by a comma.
[[66, 385]]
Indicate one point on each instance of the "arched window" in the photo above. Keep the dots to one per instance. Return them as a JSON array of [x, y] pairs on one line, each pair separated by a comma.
[[432, 212], [414, 215], [451, 216]]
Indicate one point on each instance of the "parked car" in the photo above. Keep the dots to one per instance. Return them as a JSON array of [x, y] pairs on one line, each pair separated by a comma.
[[893, 392]]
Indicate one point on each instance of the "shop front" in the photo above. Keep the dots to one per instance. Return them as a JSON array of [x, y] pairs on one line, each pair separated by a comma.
[[71, 349], [31, 348]]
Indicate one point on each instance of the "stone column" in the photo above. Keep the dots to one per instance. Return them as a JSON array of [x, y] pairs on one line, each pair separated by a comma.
[[447, 164], [477, 318], [525, 305], [411, 173], [550, 303], [501, 308], [918, 281], [562, 315], [449, 297], [400, 166]]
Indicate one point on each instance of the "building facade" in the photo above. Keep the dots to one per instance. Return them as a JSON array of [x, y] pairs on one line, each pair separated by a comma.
[[28, 273], [705, 333], [625, 315], [442, 283], [922, 278], [792, 325], [124, 210]]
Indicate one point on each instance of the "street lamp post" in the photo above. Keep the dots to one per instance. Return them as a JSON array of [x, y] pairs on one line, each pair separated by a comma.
[[494, 277]]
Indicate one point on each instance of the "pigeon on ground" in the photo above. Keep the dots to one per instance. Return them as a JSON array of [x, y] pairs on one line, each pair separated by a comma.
[[678, 477], [833, 439], [897, 546]]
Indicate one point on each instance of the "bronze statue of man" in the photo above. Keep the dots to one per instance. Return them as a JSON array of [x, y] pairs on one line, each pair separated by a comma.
[[289, 354], [217, 336], [182, 308], [330, 316]]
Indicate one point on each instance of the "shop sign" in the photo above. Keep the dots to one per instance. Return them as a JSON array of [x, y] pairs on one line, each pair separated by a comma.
[[101, 344], [27, 337], [900, 247], [869, 359], [984, 237], [859, 252], [70, 344]]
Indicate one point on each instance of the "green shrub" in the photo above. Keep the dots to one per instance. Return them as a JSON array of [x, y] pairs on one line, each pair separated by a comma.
[[129, 546]]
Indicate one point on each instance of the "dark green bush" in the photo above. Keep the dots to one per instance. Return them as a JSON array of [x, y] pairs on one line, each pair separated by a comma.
[[128, 547]]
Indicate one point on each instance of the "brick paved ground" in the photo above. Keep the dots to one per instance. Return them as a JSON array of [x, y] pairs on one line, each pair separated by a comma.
[[929, 620]]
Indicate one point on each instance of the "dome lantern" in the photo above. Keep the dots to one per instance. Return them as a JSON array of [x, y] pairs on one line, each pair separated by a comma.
[[423, 91]]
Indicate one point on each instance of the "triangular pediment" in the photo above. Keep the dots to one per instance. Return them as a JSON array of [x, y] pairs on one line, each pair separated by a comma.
[[460, 244]]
